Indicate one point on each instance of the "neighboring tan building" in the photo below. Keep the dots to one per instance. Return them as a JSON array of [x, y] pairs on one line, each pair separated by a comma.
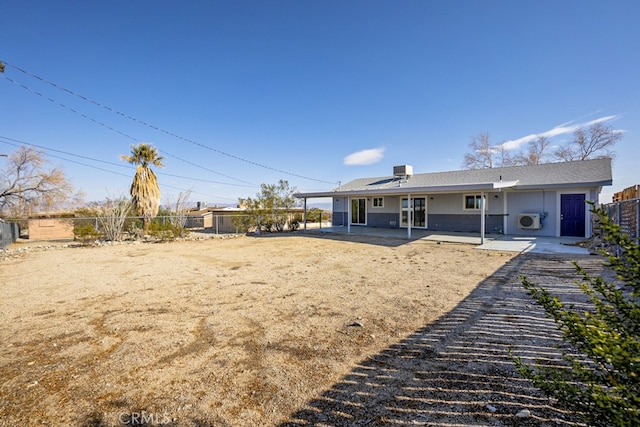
[[51, 229]]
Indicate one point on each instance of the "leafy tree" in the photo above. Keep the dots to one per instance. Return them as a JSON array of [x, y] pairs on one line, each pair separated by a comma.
[[145, 191], [314, 214], [602, 382], [270, 209], [28, 184], [596, 142]]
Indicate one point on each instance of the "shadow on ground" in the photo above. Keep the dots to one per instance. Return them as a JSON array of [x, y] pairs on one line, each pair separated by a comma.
[[457, 371], [366, 239]]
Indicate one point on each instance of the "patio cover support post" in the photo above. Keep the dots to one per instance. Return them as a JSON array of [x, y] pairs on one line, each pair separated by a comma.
[[304, 215], [482, 219], [348, 201], [505, 223], [409, 220]]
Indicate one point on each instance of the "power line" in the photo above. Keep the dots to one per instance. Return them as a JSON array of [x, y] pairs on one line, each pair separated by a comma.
[[116, 164], [27, 88], [113, 110], [111, 163]]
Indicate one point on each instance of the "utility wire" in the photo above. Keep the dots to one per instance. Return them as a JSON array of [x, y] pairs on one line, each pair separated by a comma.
[[27, 88], [19, 142], [111, 163], [160, 129]]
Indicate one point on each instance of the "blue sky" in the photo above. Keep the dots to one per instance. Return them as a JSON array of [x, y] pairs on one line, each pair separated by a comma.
[[239, 93]]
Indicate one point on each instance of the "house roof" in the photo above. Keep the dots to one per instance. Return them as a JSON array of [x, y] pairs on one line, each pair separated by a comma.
[[585, 173]]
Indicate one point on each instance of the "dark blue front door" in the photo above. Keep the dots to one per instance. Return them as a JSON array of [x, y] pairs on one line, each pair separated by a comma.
[[572, 215]]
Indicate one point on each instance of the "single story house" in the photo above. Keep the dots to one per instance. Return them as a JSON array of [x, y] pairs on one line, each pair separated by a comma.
[[200, 218], [221, 219], [534, 200], [215, 219]]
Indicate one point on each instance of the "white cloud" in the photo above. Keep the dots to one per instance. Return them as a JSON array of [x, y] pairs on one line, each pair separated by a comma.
[[561, 129], [364, 157]]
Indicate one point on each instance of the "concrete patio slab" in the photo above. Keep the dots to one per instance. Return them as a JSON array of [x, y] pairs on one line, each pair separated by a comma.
[[539, 245], [496, 242]]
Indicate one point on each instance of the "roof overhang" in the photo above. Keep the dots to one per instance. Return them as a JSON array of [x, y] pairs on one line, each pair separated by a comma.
[[594, 184], [457, 188]]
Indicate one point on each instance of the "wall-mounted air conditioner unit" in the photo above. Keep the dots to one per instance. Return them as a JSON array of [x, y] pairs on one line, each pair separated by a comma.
[[529, 221]]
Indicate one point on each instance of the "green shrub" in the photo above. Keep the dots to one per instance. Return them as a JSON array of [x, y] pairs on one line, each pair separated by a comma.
[[85, 232], [242, 222], [603, 352], [166, 231], [266, 224], [314, 215], [294, 223]]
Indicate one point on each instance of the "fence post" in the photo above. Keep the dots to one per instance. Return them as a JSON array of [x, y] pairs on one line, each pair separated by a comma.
[[637, 236], [619, 213]]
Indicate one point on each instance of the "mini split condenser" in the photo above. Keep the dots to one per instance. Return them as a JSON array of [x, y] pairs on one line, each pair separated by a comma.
[[529, 221]]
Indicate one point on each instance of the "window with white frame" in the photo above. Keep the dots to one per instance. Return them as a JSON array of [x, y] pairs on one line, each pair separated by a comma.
[[378, 202], [472, 201]]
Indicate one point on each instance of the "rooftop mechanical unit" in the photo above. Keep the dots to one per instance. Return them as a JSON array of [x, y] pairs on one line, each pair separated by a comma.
[[529, 221], [403, 171]]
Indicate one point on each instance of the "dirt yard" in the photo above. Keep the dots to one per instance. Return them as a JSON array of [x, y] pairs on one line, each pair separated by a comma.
[[242, 331]]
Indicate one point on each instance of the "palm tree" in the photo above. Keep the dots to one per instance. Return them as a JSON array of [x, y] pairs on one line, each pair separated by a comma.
[[144, 188]]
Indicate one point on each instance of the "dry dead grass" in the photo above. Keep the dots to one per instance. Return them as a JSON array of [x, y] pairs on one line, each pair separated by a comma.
[[243, 331]]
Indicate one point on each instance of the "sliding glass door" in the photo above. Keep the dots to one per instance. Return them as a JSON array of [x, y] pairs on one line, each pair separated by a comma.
[[418, 210], [359, 211]]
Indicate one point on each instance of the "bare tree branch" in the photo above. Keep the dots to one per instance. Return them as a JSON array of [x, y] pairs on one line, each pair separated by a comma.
[[112, 217], [26, 184], [596, 142], [481, 155], [535, 153], [506, 159], [180, 208]]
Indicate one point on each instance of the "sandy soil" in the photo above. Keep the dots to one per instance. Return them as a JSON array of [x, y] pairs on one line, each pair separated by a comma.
[[268, 330]]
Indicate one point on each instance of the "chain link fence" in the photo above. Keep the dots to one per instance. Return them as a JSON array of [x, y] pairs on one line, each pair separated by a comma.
[[217, 224], [626, 214], [9, 232], [88, 228], [94, 228]]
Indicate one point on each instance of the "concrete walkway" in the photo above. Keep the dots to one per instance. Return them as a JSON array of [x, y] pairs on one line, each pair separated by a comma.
[[496, 242], [537, 245]]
